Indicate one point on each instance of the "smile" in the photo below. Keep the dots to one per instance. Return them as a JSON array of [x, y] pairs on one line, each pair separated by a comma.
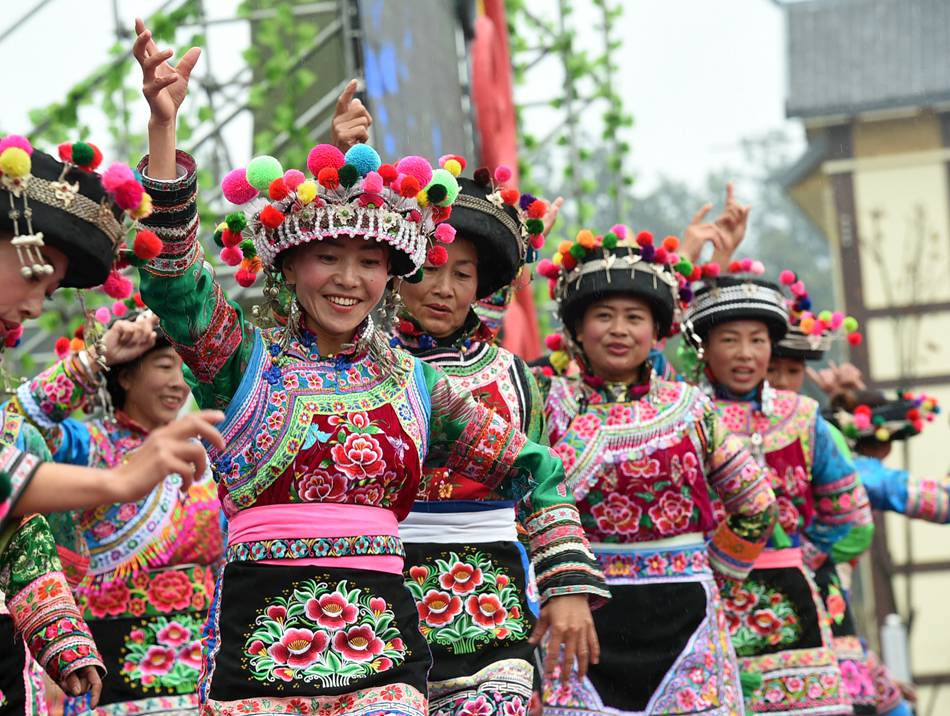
[[342, 300]]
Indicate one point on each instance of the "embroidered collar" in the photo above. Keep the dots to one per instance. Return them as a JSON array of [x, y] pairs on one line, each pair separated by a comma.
[[618, 392], [302, 344], [123, 420], [410, 335], [762, 397]]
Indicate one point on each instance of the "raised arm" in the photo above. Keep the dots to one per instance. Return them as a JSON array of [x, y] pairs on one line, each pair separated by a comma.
[[896, 491]]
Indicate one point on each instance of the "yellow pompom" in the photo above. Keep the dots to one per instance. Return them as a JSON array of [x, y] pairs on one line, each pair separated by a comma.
[[144, 208], [422, 199], [559, 361], [15, 162], [882, 434], [928, 405], [221, 227], [564, 247], [453, 167], [557, 258], [585, 238], [306, 192]]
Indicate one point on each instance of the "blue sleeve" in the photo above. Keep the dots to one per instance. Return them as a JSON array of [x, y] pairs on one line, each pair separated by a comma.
[[887, 487], [73, 443]]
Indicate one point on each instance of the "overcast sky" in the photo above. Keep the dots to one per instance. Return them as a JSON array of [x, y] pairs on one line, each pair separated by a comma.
[[697, 75]]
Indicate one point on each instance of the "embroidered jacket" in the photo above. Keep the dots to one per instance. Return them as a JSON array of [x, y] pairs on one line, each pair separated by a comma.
[[822, 504], [159, 532], [896, 491], [32, 583], [651, 463], [502, 382], [300, 427]]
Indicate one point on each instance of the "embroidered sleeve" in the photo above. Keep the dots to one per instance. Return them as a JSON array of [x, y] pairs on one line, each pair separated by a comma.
[[747, 497], [18, 467], [896, 491], [207, 330], [842, 527], [41, 604], [479, 444]]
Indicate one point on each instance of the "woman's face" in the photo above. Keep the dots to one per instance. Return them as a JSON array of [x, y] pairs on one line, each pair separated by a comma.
[[338, 282], [22, 298], [617, 334], [440, 302], [155, 390], [787, 374], [738, 354]]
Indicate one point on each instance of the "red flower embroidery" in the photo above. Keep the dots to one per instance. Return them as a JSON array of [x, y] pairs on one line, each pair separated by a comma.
[[358, 643], [586, 426], [486, 610], [331, 611], [764, 622], [418, 573], [191, 654], [617, 515], [671, 515], [169, 591], [359, 456], [256, 648], [298, 647], [461, 578], [567, 454], [173, 634], [377, 605], [438, 608], [158, 660], [370, 494], [644, 467], [787, 515], [742, 600], [111, 600], [277, 613], [321, 486]]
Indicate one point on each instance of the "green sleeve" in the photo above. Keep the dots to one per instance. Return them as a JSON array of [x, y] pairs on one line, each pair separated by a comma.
[[206, 328]]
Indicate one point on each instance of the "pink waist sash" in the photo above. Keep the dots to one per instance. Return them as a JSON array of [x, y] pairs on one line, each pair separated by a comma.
[[779, 558], [320, 534]]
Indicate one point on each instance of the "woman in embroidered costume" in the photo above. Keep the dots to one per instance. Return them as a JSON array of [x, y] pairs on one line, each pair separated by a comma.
[[149, 584], [328, 427], [60, 230], [469, 577], [645, 457], [777, 620]]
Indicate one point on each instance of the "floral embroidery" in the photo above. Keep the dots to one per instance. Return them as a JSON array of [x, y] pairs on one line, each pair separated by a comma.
[[672, 514], [163, 654], [759, 617], [326, 635], [465, 600], [148, 593], [617, 514], [315, 548]]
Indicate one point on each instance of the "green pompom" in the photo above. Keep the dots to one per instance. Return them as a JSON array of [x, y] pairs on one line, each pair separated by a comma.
[[851, 324], [610, 241], [878, 420], [236, 221], [217, 238], [349, 175], [850, 431], [416, 277], [534, 226], [82, 154], [261, 171], [437, 193], [825, 316], [578, 251], [684, 267], [247, 248], [444, 178]]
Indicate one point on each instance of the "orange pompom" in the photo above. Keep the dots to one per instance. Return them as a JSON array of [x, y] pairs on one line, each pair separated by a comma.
[[671, 243], [409, 186], [329, 178], [537, 209], [278, 189], [510, 196]]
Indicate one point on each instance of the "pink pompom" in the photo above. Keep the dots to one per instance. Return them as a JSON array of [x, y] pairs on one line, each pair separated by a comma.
[[837, 318], [537, 241], [547, 269], [502, 173], [445, 233], [745, 265], [619, 230], [554, 341], [245, 277], [117, 286], [818, 328], [786, 278], [16, 140], [758, 268], [417, 167], [232, 255], [294, 178], [324, 155], [712, 270], [236, 188], [128, 195], [373, 183], [862, 421], [115, 176], [797, 288], [119, 309], [102, 315]]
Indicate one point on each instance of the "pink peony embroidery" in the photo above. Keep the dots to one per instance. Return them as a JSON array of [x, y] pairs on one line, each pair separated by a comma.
[[358, 643], [617, 515], [331, 611], [299, 648]]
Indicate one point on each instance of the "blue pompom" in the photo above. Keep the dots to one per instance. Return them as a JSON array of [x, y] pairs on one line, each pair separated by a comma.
[[805, 303], [364, 158]]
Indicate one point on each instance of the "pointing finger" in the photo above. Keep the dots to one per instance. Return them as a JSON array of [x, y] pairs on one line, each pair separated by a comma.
[[343, 103], [701, 214]]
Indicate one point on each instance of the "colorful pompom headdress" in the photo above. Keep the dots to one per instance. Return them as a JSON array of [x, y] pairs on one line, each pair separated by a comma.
[[65, 204], [740, 294], [899, 418], [404, 206], [592, 267], [506, 226], [811, 333]]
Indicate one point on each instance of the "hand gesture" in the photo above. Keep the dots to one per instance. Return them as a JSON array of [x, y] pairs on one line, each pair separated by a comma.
[[699, 233], [351, 120], [165, 87], [733, 221], [82, 681], [836, 379], [570, 624], [127, 340], [169, 450], [550, 217]]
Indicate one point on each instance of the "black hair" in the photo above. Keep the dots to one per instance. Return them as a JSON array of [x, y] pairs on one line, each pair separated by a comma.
[[115, 372]]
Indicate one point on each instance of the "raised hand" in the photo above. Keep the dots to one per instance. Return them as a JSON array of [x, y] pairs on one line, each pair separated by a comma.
[[351, 120], [550, 217], [127, 340], [733, 222], [699, 233], [165, 87]]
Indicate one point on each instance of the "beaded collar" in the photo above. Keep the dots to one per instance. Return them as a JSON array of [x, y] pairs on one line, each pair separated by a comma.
[[615, 391], [302, 343], [410, 335], [762, 400]]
